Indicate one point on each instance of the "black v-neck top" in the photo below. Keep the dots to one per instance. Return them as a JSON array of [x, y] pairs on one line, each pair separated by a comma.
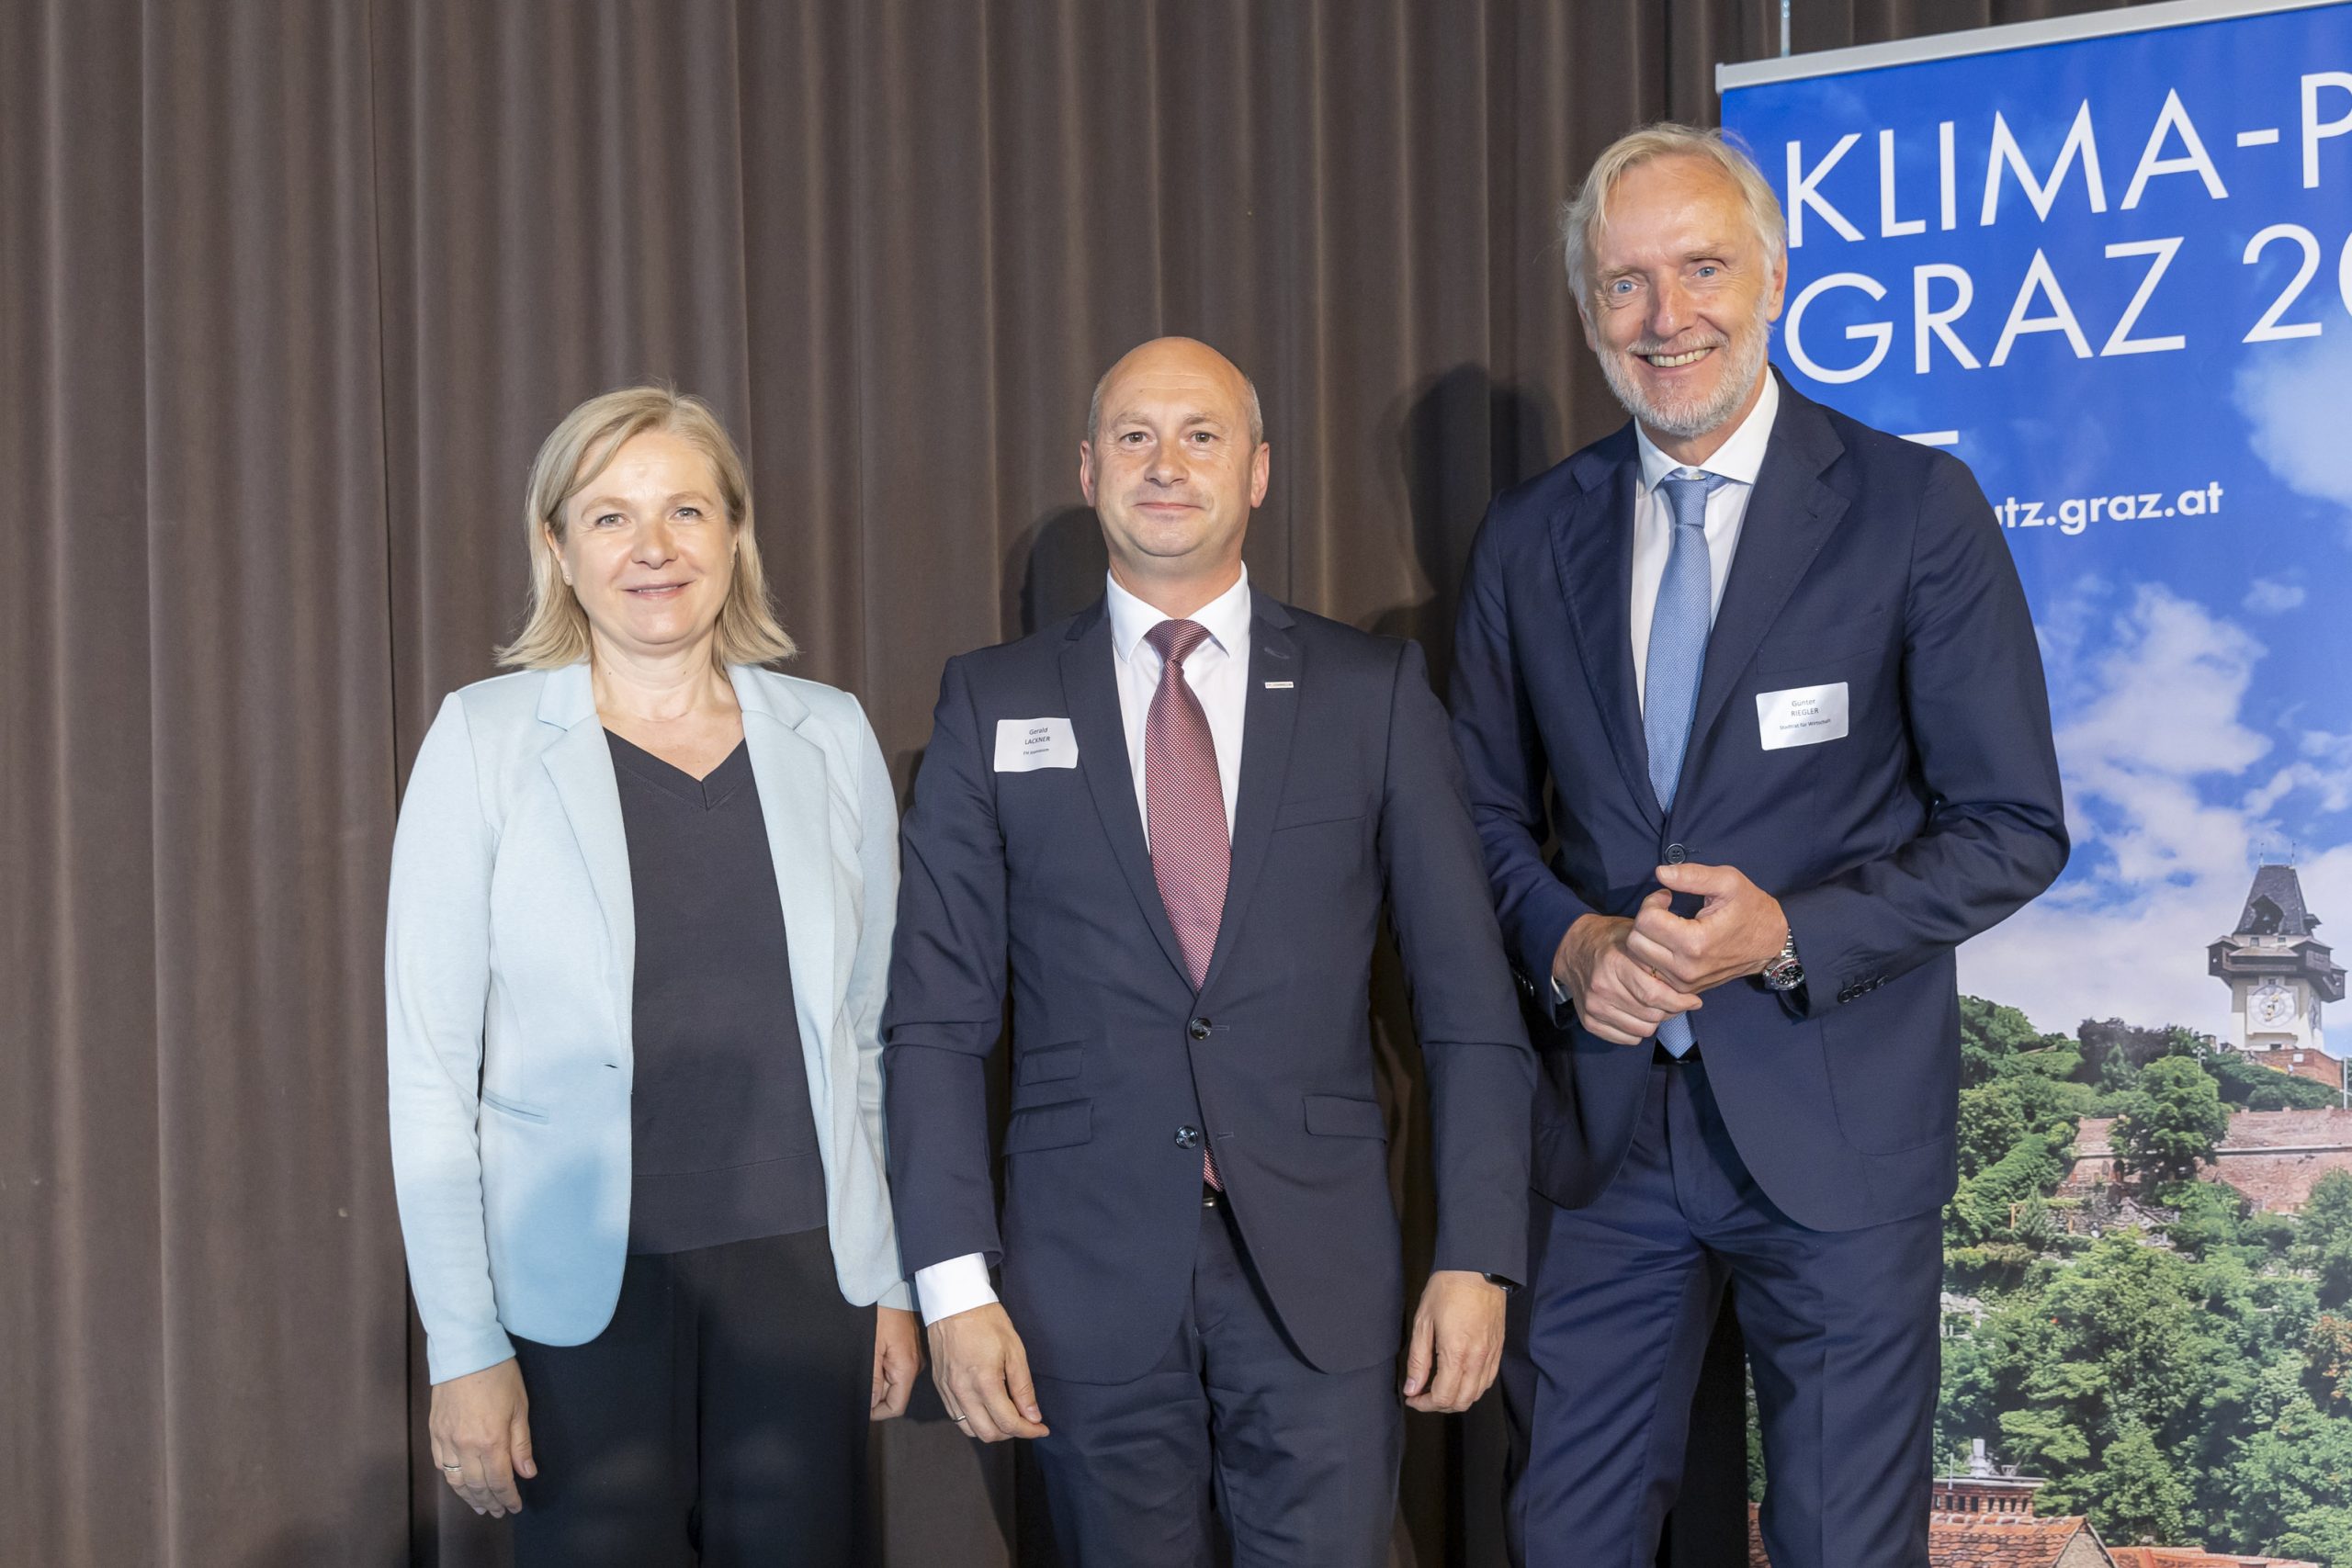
[[724, 1139]]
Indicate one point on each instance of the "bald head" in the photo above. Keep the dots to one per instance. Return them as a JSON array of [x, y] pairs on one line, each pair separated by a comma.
[[1176, 359]]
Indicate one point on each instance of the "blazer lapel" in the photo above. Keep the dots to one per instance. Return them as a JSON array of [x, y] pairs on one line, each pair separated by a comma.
[[1268, 718], [1090, 689], [1592, 549], [796, 802], [1789, 519], [581, 765]]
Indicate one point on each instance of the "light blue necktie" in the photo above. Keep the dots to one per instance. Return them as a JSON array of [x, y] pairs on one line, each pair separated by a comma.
[[1678, 630]]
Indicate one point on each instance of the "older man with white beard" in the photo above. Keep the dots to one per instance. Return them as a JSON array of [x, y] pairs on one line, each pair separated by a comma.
[[1764, 679]]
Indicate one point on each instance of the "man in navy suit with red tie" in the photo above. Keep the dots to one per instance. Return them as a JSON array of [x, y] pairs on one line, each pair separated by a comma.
[[1176, 818], [1765, 679]]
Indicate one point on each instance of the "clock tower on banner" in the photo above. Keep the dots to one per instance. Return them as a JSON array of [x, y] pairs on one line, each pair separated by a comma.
[[2278, 973]]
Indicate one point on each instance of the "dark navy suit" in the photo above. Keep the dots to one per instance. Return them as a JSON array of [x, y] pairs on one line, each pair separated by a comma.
[[1807, 1150], [1349, 794]]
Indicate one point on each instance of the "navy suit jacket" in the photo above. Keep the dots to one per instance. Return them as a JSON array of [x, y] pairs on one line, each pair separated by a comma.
[[1349, 792], [1863, 559]]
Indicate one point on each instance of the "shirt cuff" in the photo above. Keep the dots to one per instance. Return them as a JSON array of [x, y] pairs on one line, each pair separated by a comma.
[[958, 1284]]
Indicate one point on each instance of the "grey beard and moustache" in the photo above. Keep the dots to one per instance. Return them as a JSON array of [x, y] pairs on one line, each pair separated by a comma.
[[1746, 353]]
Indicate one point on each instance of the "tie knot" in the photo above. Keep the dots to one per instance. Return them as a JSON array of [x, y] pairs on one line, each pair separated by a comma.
[[1175, 640], [1687, 492]]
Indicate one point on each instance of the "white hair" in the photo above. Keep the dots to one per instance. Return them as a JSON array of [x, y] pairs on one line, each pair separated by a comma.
[[1585, 215]]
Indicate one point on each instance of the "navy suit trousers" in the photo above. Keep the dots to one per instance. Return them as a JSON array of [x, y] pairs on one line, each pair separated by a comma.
[[1230, 1423], [1605, 1345]]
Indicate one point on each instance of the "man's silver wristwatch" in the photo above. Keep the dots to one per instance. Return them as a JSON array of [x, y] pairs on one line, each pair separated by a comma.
[[1784, 973]]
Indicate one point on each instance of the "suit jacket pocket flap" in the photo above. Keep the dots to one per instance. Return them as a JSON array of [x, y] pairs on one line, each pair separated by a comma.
[[1047, 1063], [1049, 1126], [1337, 1115], [1318, 809], [513, 1107]]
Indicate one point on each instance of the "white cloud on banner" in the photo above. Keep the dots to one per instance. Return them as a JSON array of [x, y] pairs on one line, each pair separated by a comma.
[[2271, 596], [2294, 397], [2166, 714], [2324, 768], [2168, 795]]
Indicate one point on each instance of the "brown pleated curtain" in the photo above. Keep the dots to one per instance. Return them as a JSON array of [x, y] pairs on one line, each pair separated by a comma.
[[288, 294]]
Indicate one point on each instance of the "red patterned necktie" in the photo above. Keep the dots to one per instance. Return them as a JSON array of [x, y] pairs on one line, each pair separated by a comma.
[[1192, 852]]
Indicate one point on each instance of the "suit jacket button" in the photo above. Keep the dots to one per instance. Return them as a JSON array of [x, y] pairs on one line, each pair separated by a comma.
[[1188, 1138], [1676, 854], [1198, 1029]]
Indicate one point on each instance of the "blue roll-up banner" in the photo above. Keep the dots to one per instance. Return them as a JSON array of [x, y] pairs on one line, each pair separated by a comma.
[[2112, 273], [2107, 262]]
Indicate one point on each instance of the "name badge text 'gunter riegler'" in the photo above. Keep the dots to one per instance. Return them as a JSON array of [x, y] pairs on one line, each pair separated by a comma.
[[1801, 716]]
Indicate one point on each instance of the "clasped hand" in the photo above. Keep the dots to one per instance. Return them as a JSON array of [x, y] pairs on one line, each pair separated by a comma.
[[1627, 976]]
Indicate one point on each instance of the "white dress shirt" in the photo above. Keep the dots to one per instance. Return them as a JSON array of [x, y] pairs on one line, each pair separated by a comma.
[[1738, 460], [1219, 672]]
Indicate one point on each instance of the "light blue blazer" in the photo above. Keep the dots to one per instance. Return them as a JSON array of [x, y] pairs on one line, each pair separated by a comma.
[[509, 961]]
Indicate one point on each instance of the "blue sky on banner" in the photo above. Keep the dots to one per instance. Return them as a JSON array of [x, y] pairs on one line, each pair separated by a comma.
[[2114, 275]]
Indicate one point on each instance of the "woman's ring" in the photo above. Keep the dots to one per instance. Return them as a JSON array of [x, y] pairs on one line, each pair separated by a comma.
[[459, 1465]]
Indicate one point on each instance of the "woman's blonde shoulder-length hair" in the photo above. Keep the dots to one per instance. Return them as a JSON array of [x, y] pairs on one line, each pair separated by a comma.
[[575, 452]]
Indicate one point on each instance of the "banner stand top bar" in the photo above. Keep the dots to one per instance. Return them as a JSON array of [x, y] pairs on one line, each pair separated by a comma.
[[1991, 41]]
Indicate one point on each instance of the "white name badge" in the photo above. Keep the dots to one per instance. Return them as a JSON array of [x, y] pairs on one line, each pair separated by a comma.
[[1024, 745], [1802, 716]]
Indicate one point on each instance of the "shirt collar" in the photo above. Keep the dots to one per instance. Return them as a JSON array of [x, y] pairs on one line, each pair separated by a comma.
[[1739, 459], [1227, 616]]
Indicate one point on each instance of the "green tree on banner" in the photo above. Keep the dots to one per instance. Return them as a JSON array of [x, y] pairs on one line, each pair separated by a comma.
[[2325, 1234], [2174, 1363], [2140, 1497], [2174, 1121]]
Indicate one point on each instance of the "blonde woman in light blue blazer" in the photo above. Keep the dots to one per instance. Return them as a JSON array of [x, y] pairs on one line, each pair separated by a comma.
[[635, 1075]]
